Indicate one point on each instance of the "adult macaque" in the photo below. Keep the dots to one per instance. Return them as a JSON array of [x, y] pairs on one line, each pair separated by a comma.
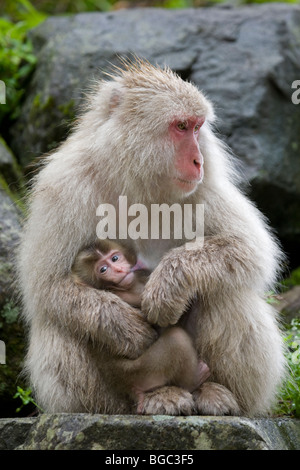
[[147, 134], [172, 359]]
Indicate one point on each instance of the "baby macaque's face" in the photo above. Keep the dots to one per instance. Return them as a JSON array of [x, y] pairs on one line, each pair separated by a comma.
[[113, 268]]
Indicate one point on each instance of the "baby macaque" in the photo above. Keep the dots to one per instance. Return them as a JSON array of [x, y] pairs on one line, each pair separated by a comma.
[[110, 266], [172, 359]]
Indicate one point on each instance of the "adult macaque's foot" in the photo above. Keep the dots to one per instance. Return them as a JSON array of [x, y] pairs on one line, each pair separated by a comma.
[[215, 399], [167, 401]]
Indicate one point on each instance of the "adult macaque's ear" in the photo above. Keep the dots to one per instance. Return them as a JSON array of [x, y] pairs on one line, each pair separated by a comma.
[[105, 98]]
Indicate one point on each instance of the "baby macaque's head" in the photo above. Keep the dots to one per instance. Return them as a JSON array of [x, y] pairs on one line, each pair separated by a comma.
[[106, 265], [114, 270]]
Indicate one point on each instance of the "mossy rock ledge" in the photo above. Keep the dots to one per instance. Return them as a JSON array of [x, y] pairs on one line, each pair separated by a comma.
[[119, 432]]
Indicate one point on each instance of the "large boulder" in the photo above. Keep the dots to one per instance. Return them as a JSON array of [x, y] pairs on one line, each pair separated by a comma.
[[11, 330], [9, 237], [245, 59]]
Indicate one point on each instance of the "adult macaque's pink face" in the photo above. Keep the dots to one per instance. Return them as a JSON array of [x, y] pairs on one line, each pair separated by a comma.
[[188, 158], [114, 269]]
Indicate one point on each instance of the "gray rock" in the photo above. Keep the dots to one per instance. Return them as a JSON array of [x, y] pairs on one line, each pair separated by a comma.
[[9, 237], [11, 330], [9, 168], [288, 304], [13, 431], [103, 432], [245, 59]]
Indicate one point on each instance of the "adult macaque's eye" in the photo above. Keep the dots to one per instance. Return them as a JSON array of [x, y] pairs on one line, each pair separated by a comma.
[[182, 126], [103, 269]]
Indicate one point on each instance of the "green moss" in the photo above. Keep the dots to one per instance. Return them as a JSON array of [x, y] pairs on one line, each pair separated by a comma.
[[40, 106], [49, 103], [17, 197], [52, 145], [12, 180], [15, 171], [37, 101], [68, 109]]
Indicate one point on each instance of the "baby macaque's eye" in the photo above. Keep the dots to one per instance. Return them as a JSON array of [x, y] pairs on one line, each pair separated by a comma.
[[115, 258], [103, 269]]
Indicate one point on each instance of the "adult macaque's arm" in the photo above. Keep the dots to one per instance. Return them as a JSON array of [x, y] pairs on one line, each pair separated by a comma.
[[101, 317]]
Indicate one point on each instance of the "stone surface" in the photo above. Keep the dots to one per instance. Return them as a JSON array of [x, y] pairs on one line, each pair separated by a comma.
[[9, 168], [245, 59], [289, 304], [9, 237], [13, 431], [103, 432], [11, 330]]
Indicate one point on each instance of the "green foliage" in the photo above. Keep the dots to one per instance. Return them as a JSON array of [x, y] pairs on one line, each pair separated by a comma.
[[10, 312], [289, 395], [293, 280], [91, 5], [271, 298], [75, 6], [16, 57], [26, 398], [177, 3]]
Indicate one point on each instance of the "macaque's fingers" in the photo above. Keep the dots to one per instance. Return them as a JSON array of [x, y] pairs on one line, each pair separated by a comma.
[[160, 312], [163, 301]]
